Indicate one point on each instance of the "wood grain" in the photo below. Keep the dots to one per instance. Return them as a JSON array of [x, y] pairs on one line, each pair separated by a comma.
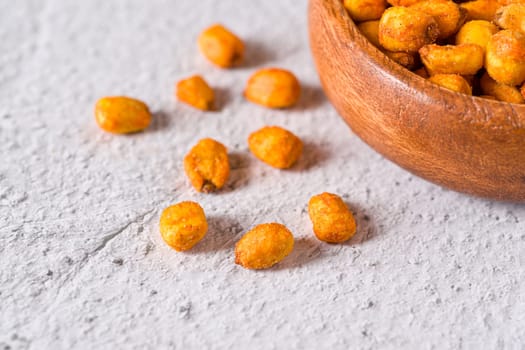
[[465, 143]]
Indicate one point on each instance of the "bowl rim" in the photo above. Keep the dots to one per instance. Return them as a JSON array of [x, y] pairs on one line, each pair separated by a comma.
[[406, 76]]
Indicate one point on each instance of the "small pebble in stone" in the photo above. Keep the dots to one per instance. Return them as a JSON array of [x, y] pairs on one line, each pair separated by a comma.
[[118, 261]]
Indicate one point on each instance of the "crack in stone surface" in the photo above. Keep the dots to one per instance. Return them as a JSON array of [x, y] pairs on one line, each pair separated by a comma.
[[107, 239], [70, 277], [85, 259], [110, 237]]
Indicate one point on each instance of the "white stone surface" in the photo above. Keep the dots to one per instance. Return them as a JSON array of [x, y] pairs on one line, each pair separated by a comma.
[[82, 265]]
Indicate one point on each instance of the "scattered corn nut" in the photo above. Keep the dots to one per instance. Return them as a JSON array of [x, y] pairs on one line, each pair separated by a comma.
[[122, 115], [275, 146], [221, 47], [264, 246], [183, 225], [196, 92], [207, 165], [332, 221], [273, 88]]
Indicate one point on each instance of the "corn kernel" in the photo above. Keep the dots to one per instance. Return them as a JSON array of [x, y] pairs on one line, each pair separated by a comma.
[[196, 92], [370, 29], [476, 32], [365, 10], [273, 88], [264, 246], [480, 9], [221, 47], [332, 221], [406, 29], [207, 165], [505, 57], [452, 82], [465, 59], [508, 2], [408, 60], [183, 225], [500, 91], [122, 115], [448, 15], [275, 146], [404, 3], [511, 17]]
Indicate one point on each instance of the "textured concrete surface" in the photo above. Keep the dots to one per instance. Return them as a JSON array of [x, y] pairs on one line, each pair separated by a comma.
[[82, 265]]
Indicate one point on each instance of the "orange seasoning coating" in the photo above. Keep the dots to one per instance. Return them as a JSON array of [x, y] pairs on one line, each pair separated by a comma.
[[196, 92], [406, 29], [273, 88], [403, 2], [275, 146], [452, 82], [370, 29], [264, 246], [505, 57], [476, 32], [122, 115], [365, 10], [464, 59], [449, 16], [332, 221], [406, 59], [499, 91], [221, 47], [183, 225], [207, 165], [480, 9], [511, 17]]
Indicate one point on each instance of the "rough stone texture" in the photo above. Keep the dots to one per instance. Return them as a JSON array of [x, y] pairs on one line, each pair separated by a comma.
[[82, 264]]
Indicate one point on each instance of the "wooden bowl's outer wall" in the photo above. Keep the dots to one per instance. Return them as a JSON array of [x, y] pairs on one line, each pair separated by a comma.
[[471, 145]]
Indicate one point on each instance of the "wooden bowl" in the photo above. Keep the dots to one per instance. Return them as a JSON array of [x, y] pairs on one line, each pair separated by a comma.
[[468, 144]]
